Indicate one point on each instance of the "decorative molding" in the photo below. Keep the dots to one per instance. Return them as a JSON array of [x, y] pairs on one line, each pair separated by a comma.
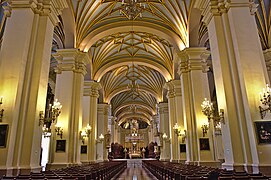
[[191, 59], [71, 60], [162, 108], [211, 8], [50, 8], [174, 88], [91, 88]]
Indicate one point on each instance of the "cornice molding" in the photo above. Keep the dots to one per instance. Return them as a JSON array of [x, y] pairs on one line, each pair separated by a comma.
[[192, 59], [50, 8], [174, 88], [71, 60], [211, 8], [91, 88]]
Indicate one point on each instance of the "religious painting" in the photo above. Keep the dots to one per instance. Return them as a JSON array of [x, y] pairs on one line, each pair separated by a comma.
[[3, 135], [263, 129], [204, 144], [60, 145], [84, 149], [182, 148]]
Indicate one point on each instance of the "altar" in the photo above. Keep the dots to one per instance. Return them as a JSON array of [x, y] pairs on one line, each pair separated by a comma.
[[135, 155]]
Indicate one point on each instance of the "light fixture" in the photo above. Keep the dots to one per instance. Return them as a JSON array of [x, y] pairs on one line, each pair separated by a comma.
[[100, 139], [50, 116], [59, 130], [178, 132], [132, 9], [265, 100], [209, 111], [85, 133], [164, 136], [2, 110], [205, 128]]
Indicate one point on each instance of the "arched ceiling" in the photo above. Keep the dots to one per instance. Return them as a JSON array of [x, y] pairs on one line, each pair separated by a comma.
[[127, 47], [169, 15]]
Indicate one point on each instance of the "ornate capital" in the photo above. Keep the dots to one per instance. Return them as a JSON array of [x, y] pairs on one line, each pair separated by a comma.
[[71, 60], [91, 88], [50, 8], [163, 108], [103, 109], [211, 8], [174, 88], [191, 59]]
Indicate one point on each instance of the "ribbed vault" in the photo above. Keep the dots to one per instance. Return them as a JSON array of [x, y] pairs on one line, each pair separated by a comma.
[[127, 47], [90, 15]]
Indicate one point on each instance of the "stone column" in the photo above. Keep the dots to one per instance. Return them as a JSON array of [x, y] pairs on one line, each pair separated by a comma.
[[164, 128], [69, 92], [24, 67], [240, 74], [193, 72], [92, 89], [102, 128], [175, 115]]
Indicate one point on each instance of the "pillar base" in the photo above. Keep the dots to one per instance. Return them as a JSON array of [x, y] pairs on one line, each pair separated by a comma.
[[250, 168]]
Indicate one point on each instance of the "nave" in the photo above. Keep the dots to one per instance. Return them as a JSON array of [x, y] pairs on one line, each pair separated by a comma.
[[138, 169]]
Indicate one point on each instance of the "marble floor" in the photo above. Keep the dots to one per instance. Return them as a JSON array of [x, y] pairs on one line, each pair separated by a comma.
[[135, 173]]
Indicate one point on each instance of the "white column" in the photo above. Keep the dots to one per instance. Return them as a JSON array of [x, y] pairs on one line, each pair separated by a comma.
[[24, 68], [193, 72], [240, 74], [164, 128], [102, 128], [69, 91], [175, 115], [92, 90]]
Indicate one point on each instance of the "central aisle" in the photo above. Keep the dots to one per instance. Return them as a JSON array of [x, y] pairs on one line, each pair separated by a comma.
[[134, 171]]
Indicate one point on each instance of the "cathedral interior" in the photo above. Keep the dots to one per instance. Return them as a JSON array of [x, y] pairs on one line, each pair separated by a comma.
[[89, 81]]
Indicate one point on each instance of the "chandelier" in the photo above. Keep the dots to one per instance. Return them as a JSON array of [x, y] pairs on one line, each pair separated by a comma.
[[50, 116], [212, 114], [265, 101], [132, 9]]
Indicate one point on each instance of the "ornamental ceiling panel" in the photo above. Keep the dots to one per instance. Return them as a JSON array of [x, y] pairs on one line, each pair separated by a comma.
[[131, 47], [92, 14], [134, 78]]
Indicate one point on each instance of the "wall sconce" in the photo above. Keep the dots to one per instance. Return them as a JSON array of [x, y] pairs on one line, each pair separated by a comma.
[[50, 116], [2, 110], [85, 133], [209, 111], [178, 132], [204, 128], [265, 100], [165, 138], [100, 139], [59, 130]]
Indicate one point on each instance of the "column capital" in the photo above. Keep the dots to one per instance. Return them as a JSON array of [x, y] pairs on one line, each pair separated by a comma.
[[50, 8], [91, 88], [267, 57], [193, 59], [71, 60], [103, 109], [211, 8], [174, 88], [162, 108]]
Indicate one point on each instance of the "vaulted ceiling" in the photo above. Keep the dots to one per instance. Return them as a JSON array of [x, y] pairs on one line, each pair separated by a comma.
[[132, 52]]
